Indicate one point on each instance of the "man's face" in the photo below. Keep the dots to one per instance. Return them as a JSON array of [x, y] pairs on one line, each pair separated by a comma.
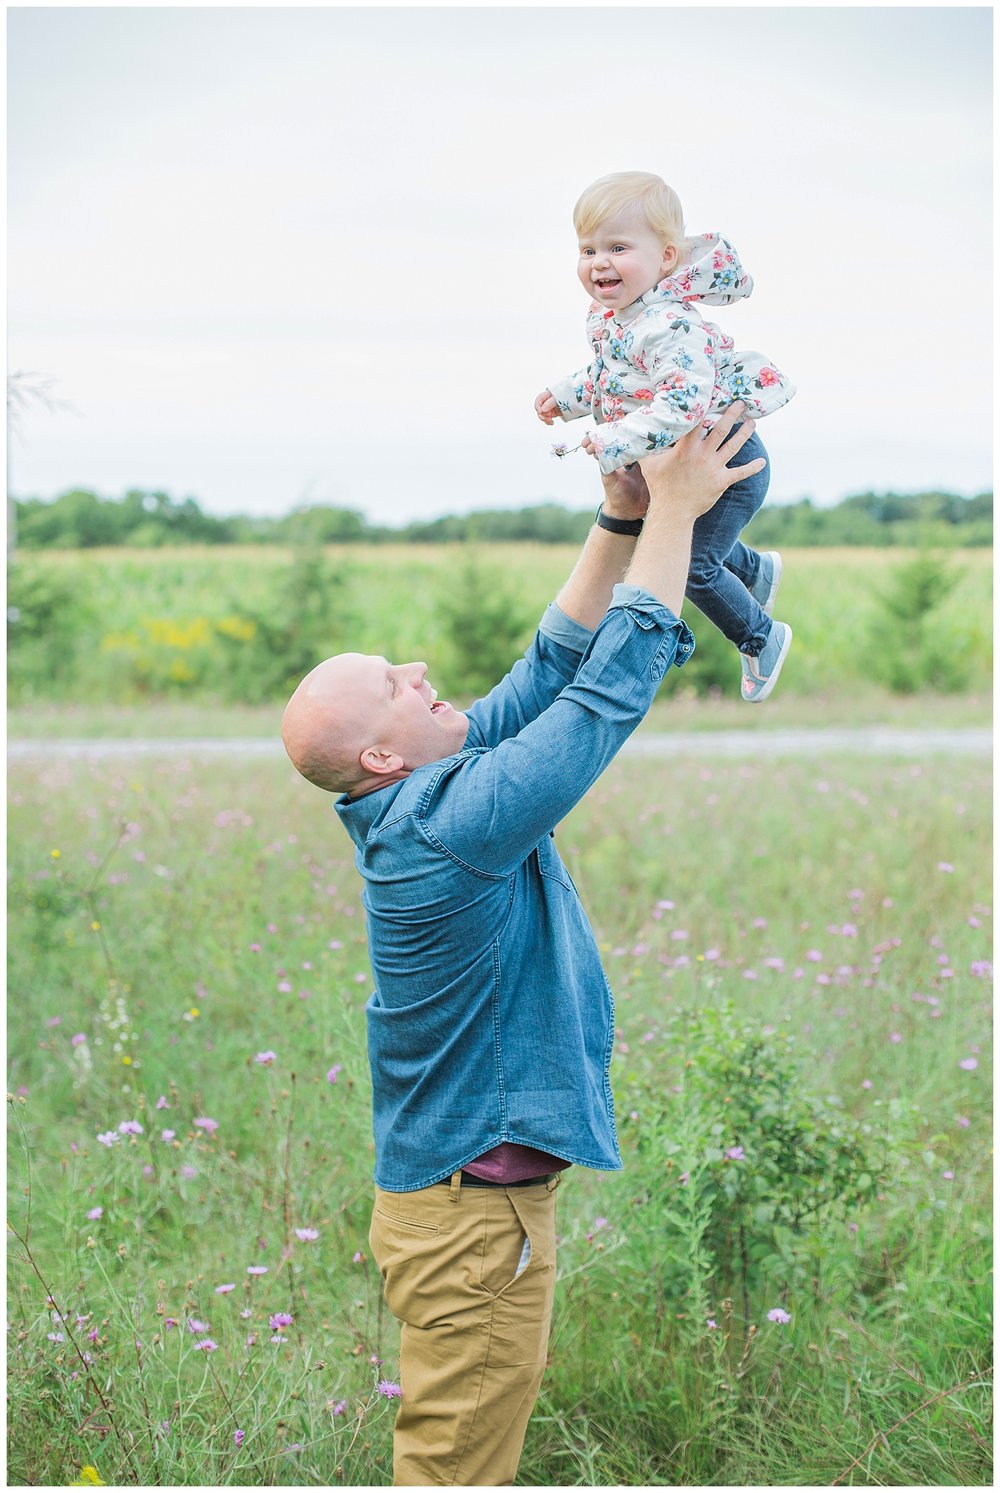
[[393, 708], [622, 259]]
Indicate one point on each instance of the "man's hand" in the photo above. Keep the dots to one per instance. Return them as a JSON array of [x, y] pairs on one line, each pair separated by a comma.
[[692, 474], [546, 408], [625, 493]]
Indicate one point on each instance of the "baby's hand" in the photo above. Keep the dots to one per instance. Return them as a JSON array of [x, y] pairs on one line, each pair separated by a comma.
[[546, 407], [587, 445]]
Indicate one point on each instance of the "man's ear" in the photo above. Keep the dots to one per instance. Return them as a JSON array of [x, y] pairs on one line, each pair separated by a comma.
[[378, 762]]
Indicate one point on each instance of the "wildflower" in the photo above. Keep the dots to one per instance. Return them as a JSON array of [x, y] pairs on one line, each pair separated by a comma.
[[389, 1390], [195, 1326], [161, 1103], [203, 1123], [358, 1257], [284, 986], [280, 1319], [969, 1064], [375, 1360], [93, 1335], [895, 1036], [206, 1346], [56, 1337], [245, 1313], [238, 1438], [251, 1340], [981, 968], [95, 1213], [560, 449], [944, 866], [189, 1173], [266, 1058], [866, 1083], [77, 1039], [711, 1324], [89, 1476], [224, 1290], [334, 1073], [337, 1407], [277, 1338], [948, 1176], [963, 1121], [256, 1270], [108, 1137], [306, 1234], [735, 1153], [169, 1322], [130, 1127], [55, 854], [167, 1134], [777, 1315]]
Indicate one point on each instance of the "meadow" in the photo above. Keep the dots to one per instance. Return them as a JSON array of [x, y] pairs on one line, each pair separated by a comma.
[[206, 627], [789, 1283]]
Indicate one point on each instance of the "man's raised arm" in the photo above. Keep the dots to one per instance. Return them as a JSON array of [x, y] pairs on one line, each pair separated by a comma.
[[683, 482]]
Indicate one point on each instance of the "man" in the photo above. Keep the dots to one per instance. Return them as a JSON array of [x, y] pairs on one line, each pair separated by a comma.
[[490, 1027]]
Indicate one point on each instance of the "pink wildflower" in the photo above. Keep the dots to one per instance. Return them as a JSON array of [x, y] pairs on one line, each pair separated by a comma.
[[389, 1390], [224, 1290], [306, 1235], [95, 1213], [778, 1315], [204, 1123], [266, 1058]]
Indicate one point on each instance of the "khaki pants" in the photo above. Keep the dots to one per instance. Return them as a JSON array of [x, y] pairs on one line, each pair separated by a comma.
[[470, 1273]]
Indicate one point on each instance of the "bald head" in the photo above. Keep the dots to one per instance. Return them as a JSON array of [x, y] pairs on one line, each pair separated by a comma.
[[332, 717]]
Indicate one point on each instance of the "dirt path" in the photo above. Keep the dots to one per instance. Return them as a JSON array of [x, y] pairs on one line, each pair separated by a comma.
[[869, 741]]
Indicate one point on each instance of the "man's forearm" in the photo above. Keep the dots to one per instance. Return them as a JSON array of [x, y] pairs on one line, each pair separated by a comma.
[[662, 556], [603, 561]]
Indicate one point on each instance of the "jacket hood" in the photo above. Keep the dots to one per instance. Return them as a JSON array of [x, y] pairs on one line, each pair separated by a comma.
[[712, 273]]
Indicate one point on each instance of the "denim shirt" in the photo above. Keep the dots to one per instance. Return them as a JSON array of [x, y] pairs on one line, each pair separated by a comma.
[[491, 1019]]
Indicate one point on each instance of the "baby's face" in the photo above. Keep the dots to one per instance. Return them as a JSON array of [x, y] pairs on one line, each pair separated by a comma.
[[622, 259]]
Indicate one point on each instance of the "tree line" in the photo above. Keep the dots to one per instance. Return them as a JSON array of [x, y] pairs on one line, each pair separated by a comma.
[[81, 519]]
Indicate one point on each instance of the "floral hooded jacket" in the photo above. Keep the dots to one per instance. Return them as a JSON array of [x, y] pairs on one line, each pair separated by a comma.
[[659, 367]]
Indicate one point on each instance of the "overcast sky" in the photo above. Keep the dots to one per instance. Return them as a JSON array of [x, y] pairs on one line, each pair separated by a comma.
[[326, 254]]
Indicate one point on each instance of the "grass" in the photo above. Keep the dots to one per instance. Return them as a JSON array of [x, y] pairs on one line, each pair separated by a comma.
[[134, 629], [185, 918]]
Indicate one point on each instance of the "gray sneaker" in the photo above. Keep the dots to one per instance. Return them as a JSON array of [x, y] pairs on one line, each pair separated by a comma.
[[765, 587], [760, 675]]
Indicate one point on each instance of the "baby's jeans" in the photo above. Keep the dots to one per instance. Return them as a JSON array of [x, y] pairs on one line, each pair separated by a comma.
[[722, 567]]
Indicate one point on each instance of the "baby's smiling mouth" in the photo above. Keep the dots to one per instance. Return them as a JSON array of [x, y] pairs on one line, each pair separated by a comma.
[[604, 283]]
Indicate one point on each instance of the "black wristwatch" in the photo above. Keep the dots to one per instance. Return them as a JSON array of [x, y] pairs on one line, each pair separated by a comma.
[[630, 526]]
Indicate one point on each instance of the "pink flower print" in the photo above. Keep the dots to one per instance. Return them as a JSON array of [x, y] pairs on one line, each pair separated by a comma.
[[767, 378]]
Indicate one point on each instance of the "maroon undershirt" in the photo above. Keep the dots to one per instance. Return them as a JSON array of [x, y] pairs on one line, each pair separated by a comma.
[[510, 1162]]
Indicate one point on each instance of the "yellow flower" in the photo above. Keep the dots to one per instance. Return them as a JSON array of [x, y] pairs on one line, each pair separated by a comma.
[[89, 1478], [127, 1060], [56, 854], [95, 925]]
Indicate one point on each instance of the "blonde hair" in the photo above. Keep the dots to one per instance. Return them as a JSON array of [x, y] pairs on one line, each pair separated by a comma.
[[659, 204]]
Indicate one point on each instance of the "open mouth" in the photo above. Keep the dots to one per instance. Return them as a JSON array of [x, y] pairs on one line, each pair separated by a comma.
[[439, 705], [608, 284]]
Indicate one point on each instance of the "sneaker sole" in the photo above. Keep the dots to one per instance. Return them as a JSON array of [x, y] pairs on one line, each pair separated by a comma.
[[772, 678], [767, 605]]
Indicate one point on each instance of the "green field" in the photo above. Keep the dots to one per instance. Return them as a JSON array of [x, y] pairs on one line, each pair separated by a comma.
[[799, 953], [874, 629]]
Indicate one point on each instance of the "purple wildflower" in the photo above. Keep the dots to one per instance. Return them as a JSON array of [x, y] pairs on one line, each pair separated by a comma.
[[389, 1390], [130, 1127], [224, 1290], [206, 1346], [306, 1235], [204, 1123], [238, 1438], [256, 1270], [95, 1213], [969, 1064], [778, 1315], [266, 1058], [735, 1153], [108, 1137], [280, 1319], [78, 1038], [334, 1072]]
